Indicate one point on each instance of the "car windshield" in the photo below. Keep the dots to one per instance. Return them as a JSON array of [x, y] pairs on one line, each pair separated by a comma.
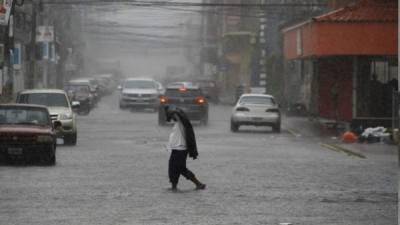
[[140, 84], [80, 83], [257, 100], [28, 116], [183, 93], [47, 99], [78, 88]]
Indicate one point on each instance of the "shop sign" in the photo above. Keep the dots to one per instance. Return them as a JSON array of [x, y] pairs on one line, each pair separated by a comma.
[[45, 34], [17, 56], [5, 10]]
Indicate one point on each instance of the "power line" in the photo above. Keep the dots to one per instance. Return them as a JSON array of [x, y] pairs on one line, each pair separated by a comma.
[[153, 37], [248, 14], [116, 25], [182, 4], [144, 42]]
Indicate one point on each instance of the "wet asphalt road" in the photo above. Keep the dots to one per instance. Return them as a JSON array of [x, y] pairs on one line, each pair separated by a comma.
[[117, 174]]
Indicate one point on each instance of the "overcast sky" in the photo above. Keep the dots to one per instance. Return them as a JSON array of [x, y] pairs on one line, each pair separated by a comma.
[[145, 39]]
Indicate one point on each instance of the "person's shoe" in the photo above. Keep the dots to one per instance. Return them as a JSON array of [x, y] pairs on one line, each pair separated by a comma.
[[201, 186], [174, 188]]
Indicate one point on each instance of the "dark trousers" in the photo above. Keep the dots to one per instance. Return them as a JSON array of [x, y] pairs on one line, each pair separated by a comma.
[[177, 166]]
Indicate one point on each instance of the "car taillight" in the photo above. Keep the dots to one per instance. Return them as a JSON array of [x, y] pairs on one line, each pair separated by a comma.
[[200, 100], [242, 109], [163, 100]]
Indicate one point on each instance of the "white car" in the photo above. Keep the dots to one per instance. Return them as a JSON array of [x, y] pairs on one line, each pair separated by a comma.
[[160, 88], [59, 106], [256, 110], [139, 93]]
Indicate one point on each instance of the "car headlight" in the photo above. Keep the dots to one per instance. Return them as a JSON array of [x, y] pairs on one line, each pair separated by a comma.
[[44, 138], [66, 116]]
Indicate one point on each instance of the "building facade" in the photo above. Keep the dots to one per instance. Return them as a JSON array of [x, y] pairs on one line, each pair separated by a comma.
[[349, 62]]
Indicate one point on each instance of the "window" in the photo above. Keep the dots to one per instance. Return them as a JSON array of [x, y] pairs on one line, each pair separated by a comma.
[[385, 70], [140, 84], [186, 93], [47, 99], [24, 116], [257, 100]]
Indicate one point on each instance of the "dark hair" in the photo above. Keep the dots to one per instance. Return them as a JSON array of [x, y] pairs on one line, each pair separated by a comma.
[[170, 110]]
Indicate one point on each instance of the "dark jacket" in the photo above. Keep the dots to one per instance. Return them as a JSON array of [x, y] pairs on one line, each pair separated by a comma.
[[189, 134]]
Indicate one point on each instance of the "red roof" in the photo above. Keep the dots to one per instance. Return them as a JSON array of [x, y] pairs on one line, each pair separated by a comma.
[[362, 12]]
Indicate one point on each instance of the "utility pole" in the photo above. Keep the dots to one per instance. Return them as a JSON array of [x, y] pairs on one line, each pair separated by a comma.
[[7, 54], [32, 75]]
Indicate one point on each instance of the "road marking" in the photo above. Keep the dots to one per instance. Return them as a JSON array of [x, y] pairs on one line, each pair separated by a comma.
[[330, 147], [293, 132], [337, 148]]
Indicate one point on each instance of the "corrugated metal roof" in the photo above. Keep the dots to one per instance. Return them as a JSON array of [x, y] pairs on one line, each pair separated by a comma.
[[362, 12]]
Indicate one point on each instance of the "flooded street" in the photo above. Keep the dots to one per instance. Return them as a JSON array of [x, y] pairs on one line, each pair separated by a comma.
[[295, 107], [117, 174]]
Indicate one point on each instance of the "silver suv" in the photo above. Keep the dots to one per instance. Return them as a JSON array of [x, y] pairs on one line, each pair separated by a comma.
[[59, 107], [139, 93]]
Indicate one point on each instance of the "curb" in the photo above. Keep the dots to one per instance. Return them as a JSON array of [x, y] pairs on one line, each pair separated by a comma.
[[338, 148]]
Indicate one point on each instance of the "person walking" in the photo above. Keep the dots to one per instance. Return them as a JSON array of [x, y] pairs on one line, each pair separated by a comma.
[[182, 142]]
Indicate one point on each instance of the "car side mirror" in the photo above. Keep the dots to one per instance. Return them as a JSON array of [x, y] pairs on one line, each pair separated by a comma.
[[119, 87], [57, 124], [75, 104]]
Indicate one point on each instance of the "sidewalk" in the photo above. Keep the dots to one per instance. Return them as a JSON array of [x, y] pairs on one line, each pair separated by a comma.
[[330, 138], [305, 126]]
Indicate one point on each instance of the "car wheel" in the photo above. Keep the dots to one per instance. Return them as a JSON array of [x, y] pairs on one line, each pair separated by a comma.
[[161, 119], [234, 127], [70, 139], [122, 106], [204, 121], [50, 157], [3, 158], [277, 128], [87, 110], [52, 160], [84, 112]]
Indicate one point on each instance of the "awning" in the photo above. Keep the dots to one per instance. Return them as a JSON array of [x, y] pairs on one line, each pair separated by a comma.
[[362, 29]]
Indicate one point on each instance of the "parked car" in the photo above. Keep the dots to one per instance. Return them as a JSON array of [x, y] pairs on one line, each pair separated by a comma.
[[210, 89], [92, 83], [256, 110], [106, 83], [139, 93], [81, 93], [27, 132], [59, 107], [187, 97]]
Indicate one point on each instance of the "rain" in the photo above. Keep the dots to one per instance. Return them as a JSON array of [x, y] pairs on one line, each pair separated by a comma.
[[199, 112]]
